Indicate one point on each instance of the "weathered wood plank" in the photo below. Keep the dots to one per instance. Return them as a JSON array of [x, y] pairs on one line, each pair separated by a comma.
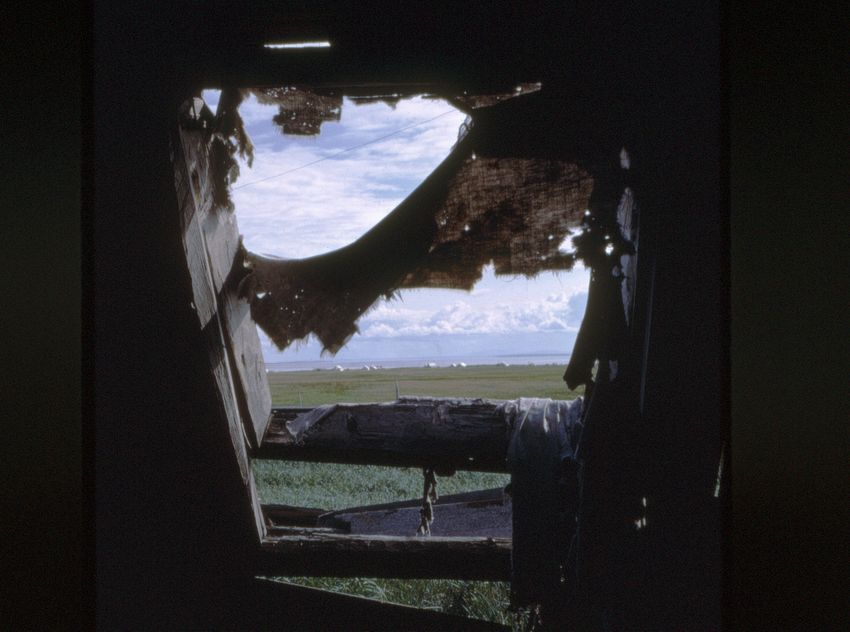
[[220, 364], [212, 242], [221, 233], [320, 69], [433, 557], [483, 518], [290, 516], [492, 494], [247, 359], [279, 531], [190, 168], [196, 161], [204, 298], [221, 236], [449, 434], [326, 610], [185, 201], [293, 516], [193, 240], [253, 498]]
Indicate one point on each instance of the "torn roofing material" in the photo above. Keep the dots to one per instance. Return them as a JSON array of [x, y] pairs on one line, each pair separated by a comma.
[[303, 109], [492, 200], [300, 111]]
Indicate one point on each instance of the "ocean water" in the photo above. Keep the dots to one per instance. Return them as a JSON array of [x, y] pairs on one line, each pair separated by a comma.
[[559, 359]]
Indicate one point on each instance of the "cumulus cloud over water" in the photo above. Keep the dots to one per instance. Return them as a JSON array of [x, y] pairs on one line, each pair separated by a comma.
[[553, 313], [315, 208], [326, 205]]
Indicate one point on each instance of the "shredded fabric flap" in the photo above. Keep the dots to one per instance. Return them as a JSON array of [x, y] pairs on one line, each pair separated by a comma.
[[544, 434], [478, 207]]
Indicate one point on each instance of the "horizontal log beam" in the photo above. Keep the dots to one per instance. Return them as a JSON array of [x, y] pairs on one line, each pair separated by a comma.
[[482, 495], [276, 531], [483, 513], [321, 68], [423, 557], [303, 608], [485, 518], [290, 516], [462, 434], [278, 515]]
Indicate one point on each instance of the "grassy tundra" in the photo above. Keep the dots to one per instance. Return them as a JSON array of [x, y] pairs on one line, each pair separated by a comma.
[[333, 486], [312, 388]]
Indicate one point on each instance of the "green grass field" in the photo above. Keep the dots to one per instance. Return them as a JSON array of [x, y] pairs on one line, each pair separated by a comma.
[[312, 388], [333, 486]]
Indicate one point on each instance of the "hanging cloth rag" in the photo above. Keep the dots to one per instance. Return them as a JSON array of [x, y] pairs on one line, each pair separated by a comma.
[[544, 434]]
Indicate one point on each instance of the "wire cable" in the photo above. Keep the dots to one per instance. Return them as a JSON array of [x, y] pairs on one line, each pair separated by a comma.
[[342, 151]]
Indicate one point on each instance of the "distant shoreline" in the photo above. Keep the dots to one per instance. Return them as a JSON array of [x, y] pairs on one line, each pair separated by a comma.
[[459, 362]]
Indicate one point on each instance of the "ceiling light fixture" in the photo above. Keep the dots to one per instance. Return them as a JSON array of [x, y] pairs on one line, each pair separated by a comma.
[[322, 44]]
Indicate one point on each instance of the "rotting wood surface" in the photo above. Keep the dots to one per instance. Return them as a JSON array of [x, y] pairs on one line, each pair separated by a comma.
[[291, 516], [483, 518], [247, 361], [492, 494], [449, 434], [211, 242], [327, 610], [483, 513], [343, 555], [294, 516]]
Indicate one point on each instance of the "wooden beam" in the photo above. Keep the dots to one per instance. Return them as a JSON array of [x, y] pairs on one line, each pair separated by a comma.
[[321, 68], [482, 513], [290, 516], [203, 294], [327, 610], [483, 518], [211, 243], [459, 434], [376, 44], [425, 557], [246, 359], [198, 221], [277, 532], [486, 495]]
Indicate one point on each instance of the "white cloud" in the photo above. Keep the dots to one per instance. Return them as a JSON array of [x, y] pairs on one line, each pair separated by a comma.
[[553, 313], [327, 205], [331, 203]]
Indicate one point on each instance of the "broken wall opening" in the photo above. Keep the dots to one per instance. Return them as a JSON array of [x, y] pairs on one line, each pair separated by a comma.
[[306, 195], [482, 204]]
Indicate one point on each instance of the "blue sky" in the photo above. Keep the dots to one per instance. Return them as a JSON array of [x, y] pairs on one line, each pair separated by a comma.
[[325, 206]]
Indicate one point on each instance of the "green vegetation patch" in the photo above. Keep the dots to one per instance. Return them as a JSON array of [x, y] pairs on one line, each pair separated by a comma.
[[332, 486], [314, 388]]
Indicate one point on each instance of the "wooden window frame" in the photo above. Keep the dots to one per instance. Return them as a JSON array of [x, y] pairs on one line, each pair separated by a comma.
[[211, 243]]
